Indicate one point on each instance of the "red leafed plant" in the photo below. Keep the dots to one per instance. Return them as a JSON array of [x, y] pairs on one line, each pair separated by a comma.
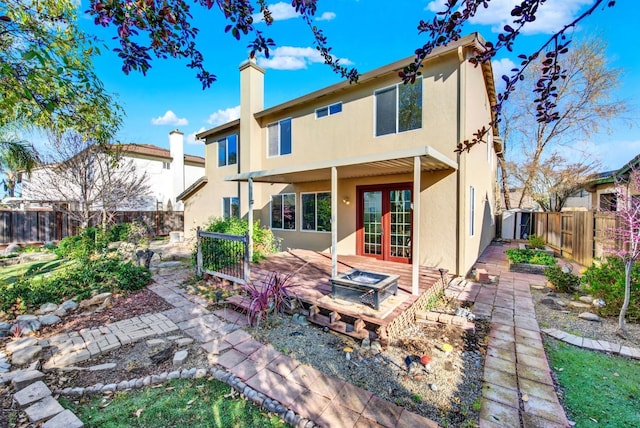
[[271, 295]]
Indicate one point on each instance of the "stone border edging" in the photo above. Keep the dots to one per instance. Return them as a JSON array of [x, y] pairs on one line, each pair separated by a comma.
[[258, 398], [593, 344]]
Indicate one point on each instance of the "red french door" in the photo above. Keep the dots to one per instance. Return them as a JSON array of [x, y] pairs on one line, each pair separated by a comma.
[[384, 222]]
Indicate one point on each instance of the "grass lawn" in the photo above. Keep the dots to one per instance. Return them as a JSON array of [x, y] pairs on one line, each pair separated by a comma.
[[189, 403], [10, 274], [599, 390]]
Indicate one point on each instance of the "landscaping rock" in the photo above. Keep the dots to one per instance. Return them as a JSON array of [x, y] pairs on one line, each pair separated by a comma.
[[589, 316], [548, 301], [96, 300], [184, 341], [25, 327], [180, 357], [579, 305], [11, 249], [26, 378], [48, 307], [32, 393], [43, 410], [26, 355], [69, 305], [64, 419], [599, 303], [586, 299], [60, 312], [19, 344], [50, 319]]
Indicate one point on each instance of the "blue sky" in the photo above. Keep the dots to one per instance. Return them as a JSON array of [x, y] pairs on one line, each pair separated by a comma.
[[363, 33]]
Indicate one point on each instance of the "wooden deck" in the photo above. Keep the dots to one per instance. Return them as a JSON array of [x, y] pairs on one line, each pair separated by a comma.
[[310, 284]]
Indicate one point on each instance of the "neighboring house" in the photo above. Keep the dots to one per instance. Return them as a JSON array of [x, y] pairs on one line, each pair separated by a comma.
[[377, 157], [514, 197], [603, 188], [169, 173]]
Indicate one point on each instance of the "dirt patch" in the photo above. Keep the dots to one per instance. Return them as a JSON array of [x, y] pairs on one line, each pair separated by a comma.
[[552, 312], [447, 389]]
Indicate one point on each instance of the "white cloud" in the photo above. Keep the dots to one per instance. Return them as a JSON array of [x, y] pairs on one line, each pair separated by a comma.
[[550, 17], [191, 138], [436, 5], [280, 11], [170, 118], [223, 116], [501, 67], [326, 16], [294, 58], [613, 154]]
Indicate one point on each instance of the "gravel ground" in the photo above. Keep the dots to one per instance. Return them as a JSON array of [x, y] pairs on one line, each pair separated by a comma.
[[446, 391], [566, 319]]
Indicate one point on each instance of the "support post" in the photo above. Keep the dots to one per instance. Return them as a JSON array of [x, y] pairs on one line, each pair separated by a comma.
[[415, 242], [250, 220], [334, 222], [199, 253]]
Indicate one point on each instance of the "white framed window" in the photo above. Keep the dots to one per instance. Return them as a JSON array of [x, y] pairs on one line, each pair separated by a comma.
[[472, 211], [283, 211], [329, 110], [316, 212], [398, 108], [228, 150], [279, 138], [166, 165], [230, 207]]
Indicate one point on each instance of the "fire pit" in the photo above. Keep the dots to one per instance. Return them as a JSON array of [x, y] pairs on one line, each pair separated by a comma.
[[370, 288]]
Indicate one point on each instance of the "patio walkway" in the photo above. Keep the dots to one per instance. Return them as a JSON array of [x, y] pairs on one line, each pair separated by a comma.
[[518, 388], [316, 397]]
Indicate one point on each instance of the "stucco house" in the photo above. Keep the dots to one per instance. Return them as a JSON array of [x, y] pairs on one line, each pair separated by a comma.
[[169, 172], [367, 168]]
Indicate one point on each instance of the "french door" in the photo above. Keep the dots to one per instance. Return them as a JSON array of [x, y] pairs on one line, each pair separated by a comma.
[[384, 222]]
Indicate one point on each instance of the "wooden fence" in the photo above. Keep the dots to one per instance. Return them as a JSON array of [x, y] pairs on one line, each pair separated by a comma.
[[48, 226], [577, 235]]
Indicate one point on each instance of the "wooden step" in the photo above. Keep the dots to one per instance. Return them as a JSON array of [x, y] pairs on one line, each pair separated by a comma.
[[241, 303], [339, 326]]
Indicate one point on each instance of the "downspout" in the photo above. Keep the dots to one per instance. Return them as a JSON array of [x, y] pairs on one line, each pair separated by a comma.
[[461, 130]]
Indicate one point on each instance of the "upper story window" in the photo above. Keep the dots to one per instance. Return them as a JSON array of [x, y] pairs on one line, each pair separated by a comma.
[[230, 207], [316, 211], [279, 138], [166, 165], [329, 110], [283, 211], [399, 108], [228, 150]]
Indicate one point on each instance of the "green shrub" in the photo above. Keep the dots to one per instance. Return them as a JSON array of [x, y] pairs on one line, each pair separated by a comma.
[[516, 255], [605, 281], [78, 279], [536, 242], [565, 282], [119, 232], [88, 241]]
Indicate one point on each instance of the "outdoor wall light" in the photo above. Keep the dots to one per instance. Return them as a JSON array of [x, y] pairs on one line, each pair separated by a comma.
[[346, 200]]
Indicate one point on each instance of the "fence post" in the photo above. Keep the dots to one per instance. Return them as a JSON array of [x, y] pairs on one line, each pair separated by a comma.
[[247, 272], [199, 253]]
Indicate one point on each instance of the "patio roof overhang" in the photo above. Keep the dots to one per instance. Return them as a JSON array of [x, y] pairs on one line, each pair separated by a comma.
[[396, 162]]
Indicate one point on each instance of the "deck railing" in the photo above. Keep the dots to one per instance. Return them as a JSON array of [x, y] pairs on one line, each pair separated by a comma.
[[223, 255]]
